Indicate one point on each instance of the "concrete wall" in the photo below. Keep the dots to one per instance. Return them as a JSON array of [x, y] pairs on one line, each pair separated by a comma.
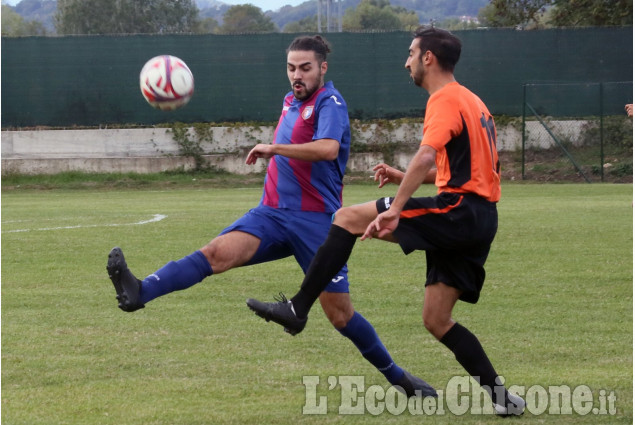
[[146, 150], [143, 150]]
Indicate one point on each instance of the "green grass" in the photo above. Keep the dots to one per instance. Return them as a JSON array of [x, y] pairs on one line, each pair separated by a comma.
[[77, 180], [556, 310]]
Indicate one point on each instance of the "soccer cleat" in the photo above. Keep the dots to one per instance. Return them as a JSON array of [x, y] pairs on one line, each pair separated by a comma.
[[413, 386], [126, 285], [280, 312], [515, 406]]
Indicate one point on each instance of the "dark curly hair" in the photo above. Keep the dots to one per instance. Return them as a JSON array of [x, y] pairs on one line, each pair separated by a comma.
[[315, 43]]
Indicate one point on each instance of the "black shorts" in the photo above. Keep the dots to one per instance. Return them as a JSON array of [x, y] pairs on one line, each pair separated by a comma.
[[456, 231]]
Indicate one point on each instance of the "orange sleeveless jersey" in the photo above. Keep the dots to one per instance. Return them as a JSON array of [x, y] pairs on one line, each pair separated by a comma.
[[460, 128]]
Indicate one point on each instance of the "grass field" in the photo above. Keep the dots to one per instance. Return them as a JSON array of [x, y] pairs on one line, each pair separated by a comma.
[[556, 310]]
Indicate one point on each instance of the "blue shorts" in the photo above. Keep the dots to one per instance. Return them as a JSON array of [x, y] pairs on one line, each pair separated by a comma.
[[283, 233]]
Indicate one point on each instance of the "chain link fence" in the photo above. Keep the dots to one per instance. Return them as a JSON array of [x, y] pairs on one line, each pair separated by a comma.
[[577, 132]]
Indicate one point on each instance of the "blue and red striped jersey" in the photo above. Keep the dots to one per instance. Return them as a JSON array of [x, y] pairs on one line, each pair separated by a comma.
[[304, 185]]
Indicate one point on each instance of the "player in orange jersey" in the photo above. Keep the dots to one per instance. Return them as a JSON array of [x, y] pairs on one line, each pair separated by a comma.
[[455, 228]]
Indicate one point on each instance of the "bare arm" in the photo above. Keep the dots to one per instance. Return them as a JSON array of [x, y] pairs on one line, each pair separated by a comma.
[[418, 169], [387, 174], [317, 150]]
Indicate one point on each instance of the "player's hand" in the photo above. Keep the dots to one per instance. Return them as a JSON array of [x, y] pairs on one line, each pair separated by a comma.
[[387, 174], [629, 109], [259, 151], [384, 224]]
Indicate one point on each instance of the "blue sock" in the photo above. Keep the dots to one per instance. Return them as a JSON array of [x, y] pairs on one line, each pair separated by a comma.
[[363, 335], [175, 276]]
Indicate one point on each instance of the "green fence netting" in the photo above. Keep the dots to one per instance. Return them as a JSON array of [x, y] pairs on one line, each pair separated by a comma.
[[93, 80]]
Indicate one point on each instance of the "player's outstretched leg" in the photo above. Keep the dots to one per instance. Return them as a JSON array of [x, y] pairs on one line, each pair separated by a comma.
[[280, 312], [363, 335], [126, 284]]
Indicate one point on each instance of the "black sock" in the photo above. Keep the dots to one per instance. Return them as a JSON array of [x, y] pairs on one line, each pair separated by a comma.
[[470, 354], [328, 261]]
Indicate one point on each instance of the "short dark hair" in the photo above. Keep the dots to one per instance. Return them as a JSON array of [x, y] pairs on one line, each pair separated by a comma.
[[443, 44], [315, 43]]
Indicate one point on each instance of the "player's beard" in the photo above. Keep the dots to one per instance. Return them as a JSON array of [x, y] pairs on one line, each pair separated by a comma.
[[305, 92], [418, 77]]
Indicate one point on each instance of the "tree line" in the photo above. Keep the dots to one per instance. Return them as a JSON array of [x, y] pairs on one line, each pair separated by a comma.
[[75, 17]]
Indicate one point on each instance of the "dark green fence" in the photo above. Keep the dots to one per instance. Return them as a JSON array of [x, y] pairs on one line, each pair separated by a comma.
[[93, 80]]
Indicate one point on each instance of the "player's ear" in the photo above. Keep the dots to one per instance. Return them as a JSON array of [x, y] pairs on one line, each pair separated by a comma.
[[324, 67], [427, 57]]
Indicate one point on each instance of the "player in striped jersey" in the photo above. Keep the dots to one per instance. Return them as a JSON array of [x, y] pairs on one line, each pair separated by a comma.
[[302, 190]]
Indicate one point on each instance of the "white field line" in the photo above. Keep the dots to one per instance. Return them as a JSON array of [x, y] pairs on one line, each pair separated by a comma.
[[154, 219]]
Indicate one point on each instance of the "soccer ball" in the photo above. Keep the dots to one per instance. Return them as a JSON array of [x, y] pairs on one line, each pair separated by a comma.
[[166, 82]]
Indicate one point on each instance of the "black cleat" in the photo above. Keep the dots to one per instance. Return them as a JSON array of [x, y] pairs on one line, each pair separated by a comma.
[[126, 285], [413, 386], [280, 312]]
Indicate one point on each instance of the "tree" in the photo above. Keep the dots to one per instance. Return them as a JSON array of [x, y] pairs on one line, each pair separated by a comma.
[[513, 13], [246, 18], [125, 16], [378, 15], [206, 26], [14, 25], [307, 24], [408, 18], [592, 13]]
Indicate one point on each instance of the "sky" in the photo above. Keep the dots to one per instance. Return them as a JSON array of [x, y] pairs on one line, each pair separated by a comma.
[[262, 4]]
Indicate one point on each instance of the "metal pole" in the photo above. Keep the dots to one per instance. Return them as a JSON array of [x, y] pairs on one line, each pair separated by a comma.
[[602, 132], [319, 16], [523, 130]]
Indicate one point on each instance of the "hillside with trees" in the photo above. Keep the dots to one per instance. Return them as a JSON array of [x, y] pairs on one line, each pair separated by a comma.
[[60, 17], [211, 13]]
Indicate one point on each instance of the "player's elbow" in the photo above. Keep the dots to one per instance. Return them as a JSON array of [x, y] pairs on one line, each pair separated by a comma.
[[329, 149], [331, 155]]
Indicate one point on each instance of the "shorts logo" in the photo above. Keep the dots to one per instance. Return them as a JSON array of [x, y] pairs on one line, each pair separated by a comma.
[[387, 203], [337, 279], [308, 111]]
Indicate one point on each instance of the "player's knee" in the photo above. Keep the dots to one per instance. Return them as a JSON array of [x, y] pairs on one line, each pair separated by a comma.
[[338, 313], [341, 216], [433, 324], [208, 252], [338, 321], [211, 252], [349, 219], [428, 323]]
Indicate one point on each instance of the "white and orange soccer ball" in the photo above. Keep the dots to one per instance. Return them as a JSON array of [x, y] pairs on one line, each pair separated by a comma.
[[166, 82]]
